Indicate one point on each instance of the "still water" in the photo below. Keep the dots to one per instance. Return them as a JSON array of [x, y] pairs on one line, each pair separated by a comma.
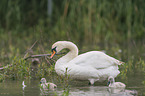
[[76, 88]]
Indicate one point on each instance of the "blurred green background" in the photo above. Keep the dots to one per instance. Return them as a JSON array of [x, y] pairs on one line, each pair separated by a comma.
[[84, 21], [109, 25]]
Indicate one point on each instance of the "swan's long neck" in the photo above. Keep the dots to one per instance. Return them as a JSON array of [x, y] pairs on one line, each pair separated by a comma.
[[70, 55], [112, 81]]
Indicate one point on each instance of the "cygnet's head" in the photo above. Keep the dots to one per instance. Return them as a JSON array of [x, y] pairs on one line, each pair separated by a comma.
[[43, 80], [110, 80]]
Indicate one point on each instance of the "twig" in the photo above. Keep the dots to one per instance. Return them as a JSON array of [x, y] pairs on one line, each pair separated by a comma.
[[46, 58], [30, 49], [32, 56], [40, 55]]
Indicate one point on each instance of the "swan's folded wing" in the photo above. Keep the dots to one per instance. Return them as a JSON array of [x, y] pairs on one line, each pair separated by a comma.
[[95, 59]]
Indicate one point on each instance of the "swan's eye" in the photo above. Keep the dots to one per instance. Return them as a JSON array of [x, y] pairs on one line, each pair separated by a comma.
[[54, 49]]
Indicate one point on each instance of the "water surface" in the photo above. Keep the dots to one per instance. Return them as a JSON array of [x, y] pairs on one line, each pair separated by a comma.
[[76, 88]]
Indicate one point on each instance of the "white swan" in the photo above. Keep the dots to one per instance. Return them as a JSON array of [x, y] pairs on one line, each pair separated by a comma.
[[48, 85], [113, 84], [92, 66]]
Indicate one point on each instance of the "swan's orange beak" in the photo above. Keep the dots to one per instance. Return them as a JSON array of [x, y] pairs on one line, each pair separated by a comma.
[[53, 53]]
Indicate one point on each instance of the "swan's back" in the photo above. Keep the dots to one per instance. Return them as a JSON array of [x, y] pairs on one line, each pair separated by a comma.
[[117, 85], [96, 59]]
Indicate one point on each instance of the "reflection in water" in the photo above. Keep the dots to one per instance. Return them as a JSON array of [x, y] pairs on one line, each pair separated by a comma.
[[48, 92], [122, 92], [116, 90], [90, 91], [93, 91], [100, 91], [14, 88]]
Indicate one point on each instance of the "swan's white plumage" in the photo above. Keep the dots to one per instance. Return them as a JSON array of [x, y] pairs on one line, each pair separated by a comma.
[[92, 66], [98, 60]]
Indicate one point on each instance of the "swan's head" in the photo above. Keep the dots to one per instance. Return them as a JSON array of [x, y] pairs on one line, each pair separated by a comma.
[[59, 45], [43, 81], [110, 80]]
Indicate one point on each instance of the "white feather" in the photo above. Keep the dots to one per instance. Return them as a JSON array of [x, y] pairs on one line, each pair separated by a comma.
[[23, 84]]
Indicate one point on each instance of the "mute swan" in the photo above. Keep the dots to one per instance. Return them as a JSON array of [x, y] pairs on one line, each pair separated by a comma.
[[113, 84], [48, 85], [93, 66]]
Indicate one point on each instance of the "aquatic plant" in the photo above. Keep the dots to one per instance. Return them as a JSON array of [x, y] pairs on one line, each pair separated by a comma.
[[44, 70], [2, 77], [18, 69], [66, 92]]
